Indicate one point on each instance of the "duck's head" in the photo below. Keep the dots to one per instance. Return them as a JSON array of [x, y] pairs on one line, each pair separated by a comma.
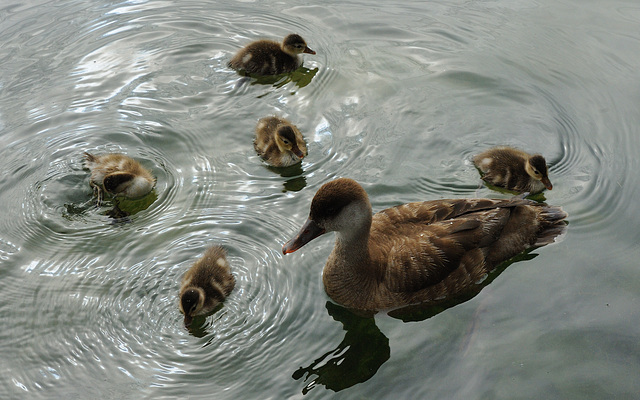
[[128, 184], [536, 167], [294, 44], [191, 302], [286, 140], [341, 205]]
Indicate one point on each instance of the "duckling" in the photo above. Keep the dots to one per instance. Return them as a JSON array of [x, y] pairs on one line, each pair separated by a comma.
[[279, 142], [118, 175], [513, 170], [206, 284], [420, 252], [266, 57]]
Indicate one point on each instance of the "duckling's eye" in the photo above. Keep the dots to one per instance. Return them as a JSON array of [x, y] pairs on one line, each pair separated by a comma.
[[285, 141]]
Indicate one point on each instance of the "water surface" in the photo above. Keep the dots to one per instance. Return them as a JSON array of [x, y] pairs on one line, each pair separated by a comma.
[[398, 97]]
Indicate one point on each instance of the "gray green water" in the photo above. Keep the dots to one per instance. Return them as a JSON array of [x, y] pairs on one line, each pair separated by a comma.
[[399, 97]]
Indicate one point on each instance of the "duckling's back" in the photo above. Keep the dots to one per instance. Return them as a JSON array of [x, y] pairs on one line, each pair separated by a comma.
[[264, 57], [109, 163], [505, 167], [499, 158], [212, 273]]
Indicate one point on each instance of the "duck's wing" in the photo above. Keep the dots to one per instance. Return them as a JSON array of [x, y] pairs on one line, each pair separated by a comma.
[[423, 249], [428, 212]]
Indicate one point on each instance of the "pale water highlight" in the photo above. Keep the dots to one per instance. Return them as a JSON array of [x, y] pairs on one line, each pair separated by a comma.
[[399, 97]]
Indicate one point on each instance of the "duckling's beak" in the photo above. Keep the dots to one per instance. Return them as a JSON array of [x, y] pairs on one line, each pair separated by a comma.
[[308, 51], [296, 150], [309, 231], [188, 319], [547, 183]]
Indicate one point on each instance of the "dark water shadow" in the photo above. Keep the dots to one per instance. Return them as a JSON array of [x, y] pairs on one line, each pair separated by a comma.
[[356, 359], [199, 326], [365, 348], [295, 180], [301, 77], [117, 208], [122, 208]]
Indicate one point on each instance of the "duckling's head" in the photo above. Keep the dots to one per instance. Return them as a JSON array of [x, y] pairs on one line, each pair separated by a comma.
[[286, 140], [536, 167], [191, 302], [128, 184], [294, 44], [341, 205]]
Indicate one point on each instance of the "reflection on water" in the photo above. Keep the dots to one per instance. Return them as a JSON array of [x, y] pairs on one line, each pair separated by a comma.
[[301, 77], [356, 359], [123, 207], [294, 173], [117, 208], [365, 348], [200, 324], [399, 96]]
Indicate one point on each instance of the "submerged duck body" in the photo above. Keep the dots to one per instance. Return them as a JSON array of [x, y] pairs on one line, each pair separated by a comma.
[[118, 175], [418, 252], [267, 57], [279, 142], [206, 284], [514, 170]]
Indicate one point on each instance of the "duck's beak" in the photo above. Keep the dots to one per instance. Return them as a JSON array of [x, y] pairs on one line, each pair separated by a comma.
[[547, 183], [309, 231], [308, 51], [188, 319], [296, 150]]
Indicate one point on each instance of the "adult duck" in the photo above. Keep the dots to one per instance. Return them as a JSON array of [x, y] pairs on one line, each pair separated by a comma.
[[513, 169], [267, 57], [418, 252]]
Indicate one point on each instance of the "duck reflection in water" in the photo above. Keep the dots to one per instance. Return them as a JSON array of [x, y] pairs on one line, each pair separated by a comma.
[[294, 178], [124, 208], [301, 77], [365, 348], [356, 359]]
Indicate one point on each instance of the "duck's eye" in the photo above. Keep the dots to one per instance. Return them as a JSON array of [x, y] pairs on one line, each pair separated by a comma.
[[285, 141], [193, 309]]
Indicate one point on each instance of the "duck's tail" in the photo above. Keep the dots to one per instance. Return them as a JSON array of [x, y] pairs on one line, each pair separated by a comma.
[[89, 157], [553, 225]]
